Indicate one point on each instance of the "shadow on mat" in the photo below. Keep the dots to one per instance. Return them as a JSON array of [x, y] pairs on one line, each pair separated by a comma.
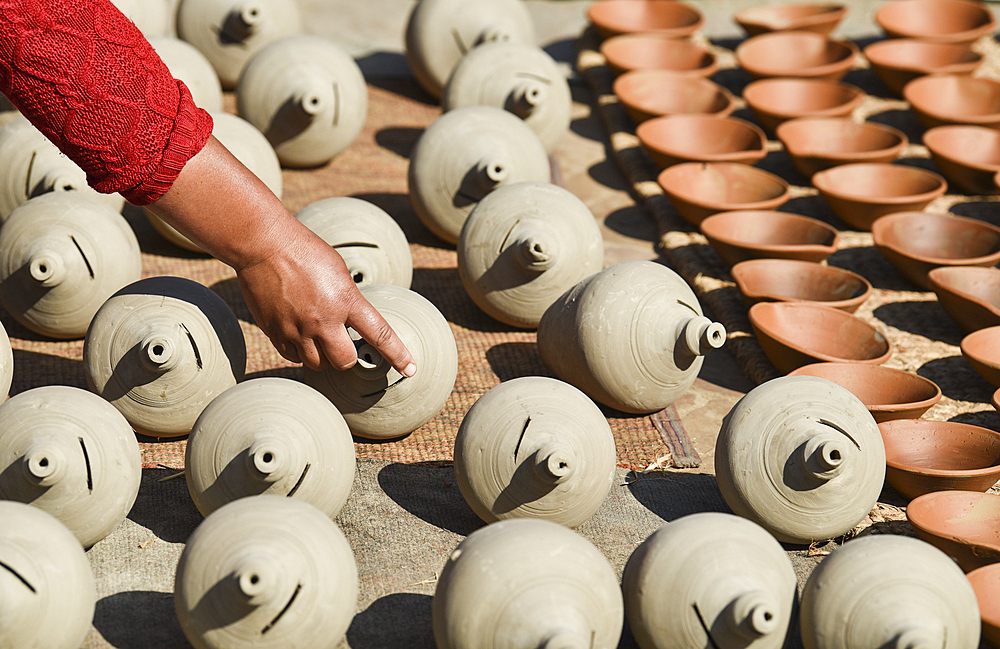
[[399, 207], [513, 360], [987, 211], [985, 418], [394, 622], [957, 379], [868, 262], [431, 494], [165, 508], [139, 619], [399, 139], [633, 222], [672, 495], [927, 319], [402, 85], [34, 370], [229, 291]]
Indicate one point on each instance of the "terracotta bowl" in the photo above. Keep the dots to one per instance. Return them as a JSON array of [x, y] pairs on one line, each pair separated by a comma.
[[819, 17], [986, 583], [965, 525], [796, 54], [940, 99], [763, 234], [898, 61], [658, 52], [943, 21], [969, 294], [982, 349], [861, 192], [818, 143], [968, 156], [700, 189], [701, 138], [794, 334], [792, 280], [916, 242], [776, 100], [888, 393], [666, 17], [652, 93]]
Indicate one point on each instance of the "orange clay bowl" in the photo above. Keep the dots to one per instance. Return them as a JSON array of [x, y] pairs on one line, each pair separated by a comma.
[[796, 54], [986, 584], [628, 52], [916, 242], [818, 143], [968, 156], [861, 192], [940, 99], [672, 139], [898, 61], [774, 101], [819, 17], [794, 334], [965, 525], [969, 294], [888, 393], [982, 349], [653, 93], [767, 234], [792, 280], [943, 21], [666, 17], [700, 189]]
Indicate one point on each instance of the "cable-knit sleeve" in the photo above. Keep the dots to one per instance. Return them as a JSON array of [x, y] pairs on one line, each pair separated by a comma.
[[86, 77]]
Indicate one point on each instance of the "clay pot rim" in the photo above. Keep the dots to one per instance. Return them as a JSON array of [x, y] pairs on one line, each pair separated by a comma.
[[876, 54], [753, 90], [818, 121], [827, 12], [939, 473], [932, 135], [921, 504], [749, 170], [987, 333], [837, 68], [712, 220], [937, 277], [965, 36], [666, 77], [746, 265], [919, 106], [609, 45], [608, 28], [880, 224], [821, 181], [642, 131], [886, 408]]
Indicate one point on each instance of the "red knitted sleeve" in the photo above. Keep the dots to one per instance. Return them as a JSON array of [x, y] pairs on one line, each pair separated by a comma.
[[85, 76]]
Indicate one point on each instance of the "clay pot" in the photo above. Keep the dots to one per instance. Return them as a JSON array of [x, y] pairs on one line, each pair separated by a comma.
[[898, 61], [986, 583], [818, 143], [440, 32], [968, 156], [674, 19], [916, 242], [861, 192], [820, 17], [653, 93], [306, 95], [970, 295], [518, 77], [888, 393], [709, 580], [701, 138], [266, 571], [230, 32], [372, 244], [61, 256], [777, 99], [270, 435], [942, 21], [794, 334], [796, 54], [793, 280], [642, 51], [632, 337], [942, 99], [377, 401], [189, 65], [802, 457], [48, 589], [160, 350], [896, 591], [763, 234], [982, 349], [963, 524], [153, 17], [6, 364], [698, 190], [68, 452], [523, 246], [463, 156], [527, 583]]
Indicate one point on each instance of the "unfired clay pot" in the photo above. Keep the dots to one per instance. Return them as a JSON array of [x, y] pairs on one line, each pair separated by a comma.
[[941, 99], [266, 571], [527, 583], [523, 246], [709, 580], [46, 584], [270, 435], [440, 32], [898, 61], [698, 190], [377, 401], [774, 100], [968, 156], [189, 65], [694, 137], [153, 17], [762, 234], [61, 256], [802, 457], [986, 583], [307, 96], [943, 21], [674, 19], [6, 364], [535, 447], [970, 295], [518, 77], [230, 32], [653, 93], [463, 156], [632, 337], [639, 51], [886, 591], [366, 236], [801, 54], [819, 17], [792, 280], [160, 350], [982, 349], [68, 452], [963, 524], [818, 143]]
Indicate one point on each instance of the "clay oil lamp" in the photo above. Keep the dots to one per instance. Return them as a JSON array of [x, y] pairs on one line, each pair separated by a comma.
[[969, 294], [986, 583], [776, 100], [861, 192], [943, 21], [916, 242], [642, 51], [699, 189], [701, 138], [818, 17], [674, 19], [888, 393], [761, 234], [792, 280], [652, 93], [796, 54], [968, 156], [898, 61], [982, 349], [964, 524], [818, 143], [941, 99], [794, 334]]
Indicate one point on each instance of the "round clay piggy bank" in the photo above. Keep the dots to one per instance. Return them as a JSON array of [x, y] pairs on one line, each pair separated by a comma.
[[189, 65]]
